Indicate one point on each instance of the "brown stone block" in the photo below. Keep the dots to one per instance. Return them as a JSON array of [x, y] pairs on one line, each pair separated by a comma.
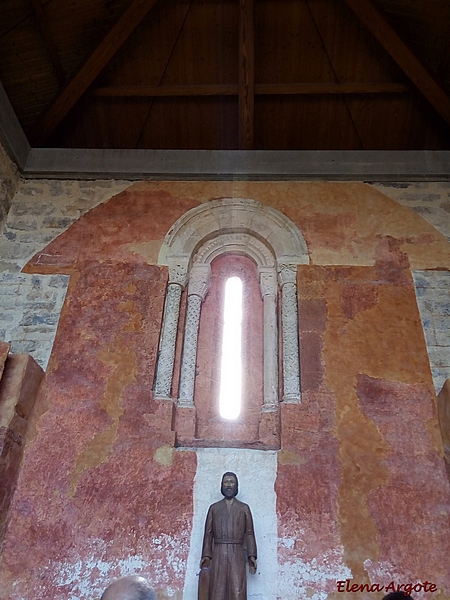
[[18, 388], [163, 418], [443, 403], [185, 422], [4, 350], [11, 449], [312, 314], [21, 379], [269, 430], [290, 421], [311, 362]]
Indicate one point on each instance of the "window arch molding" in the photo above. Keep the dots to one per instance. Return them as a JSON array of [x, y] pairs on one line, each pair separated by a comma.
[[237, 226]]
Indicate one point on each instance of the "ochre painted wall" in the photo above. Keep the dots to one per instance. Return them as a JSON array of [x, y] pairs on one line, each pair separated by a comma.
[[361, 485]]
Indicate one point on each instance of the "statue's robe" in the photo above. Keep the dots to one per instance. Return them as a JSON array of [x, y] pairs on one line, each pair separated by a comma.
[[229, 538]]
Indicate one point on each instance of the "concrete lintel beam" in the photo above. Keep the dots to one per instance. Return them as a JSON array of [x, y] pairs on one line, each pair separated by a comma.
[[238, 164]]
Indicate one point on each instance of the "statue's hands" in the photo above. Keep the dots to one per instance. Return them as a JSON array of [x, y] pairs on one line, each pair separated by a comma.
[[205, 562], [252, 564]]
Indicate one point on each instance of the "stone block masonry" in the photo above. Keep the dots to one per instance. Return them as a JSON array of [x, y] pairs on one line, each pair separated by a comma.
[[30, 305], [9, 181], [433, 299], [29, 312], [431, 201]]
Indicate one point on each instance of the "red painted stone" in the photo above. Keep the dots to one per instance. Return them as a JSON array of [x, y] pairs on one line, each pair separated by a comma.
[[185, 424], [102, 488], [18, 388], [108, 231], [116, 492], [415, 541]]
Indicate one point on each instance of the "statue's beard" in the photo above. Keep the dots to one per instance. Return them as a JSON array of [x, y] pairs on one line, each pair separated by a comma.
[[222, 489]]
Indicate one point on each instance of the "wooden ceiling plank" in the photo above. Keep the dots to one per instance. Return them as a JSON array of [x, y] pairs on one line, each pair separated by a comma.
[[260, 89], [402, 55], [246, 75], [78, 85], [166, 91], [52, 49], [324, 89]]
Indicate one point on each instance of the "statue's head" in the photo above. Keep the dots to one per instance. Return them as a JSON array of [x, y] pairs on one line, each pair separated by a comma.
[[230, 486], [131, 587]]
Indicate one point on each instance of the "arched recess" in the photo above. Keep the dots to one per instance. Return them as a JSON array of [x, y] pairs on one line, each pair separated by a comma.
[[276, 245]]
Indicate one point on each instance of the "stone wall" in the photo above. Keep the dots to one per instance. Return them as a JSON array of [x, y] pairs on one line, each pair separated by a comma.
[[432, 202], [42, 210], [104, 489], [30, 305], [9, 181]]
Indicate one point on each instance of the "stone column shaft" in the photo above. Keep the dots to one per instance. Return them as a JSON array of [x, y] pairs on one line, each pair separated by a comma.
[[166, 355], [268, 283], [199, 282], [289, 319]]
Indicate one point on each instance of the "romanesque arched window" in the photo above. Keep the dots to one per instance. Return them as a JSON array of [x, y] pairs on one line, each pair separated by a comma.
[[274, 246]]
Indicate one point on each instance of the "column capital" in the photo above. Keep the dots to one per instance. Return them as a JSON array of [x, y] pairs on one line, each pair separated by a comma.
[[287, 273], [178, 271], [268, 281], [199, 280]]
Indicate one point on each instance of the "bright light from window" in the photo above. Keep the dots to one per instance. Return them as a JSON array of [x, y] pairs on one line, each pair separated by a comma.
[[231, 363]]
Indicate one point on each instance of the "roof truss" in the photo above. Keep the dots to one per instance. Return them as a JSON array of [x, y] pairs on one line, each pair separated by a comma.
[[403, 56], [78, 85]]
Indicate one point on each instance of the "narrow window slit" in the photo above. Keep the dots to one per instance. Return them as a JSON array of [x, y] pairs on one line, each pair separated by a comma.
[[231, 360]]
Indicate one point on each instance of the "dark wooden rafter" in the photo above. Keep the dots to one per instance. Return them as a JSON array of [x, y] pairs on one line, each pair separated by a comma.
[[246, 74], [42, 21], [260, 89], [444, 64], [403, 56], [78, 85]]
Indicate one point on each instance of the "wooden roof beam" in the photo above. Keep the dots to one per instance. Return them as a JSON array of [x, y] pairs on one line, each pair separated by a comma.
[[114, 39], [260, 89], [402, 55], [246, 75], [42, 21]]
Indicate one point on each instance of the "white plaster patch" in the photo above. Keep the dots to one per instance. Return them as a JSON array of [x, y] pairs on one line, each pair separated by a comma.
[[386, 574], [86, 579], [256, 471], [316, 578], [78, 576]]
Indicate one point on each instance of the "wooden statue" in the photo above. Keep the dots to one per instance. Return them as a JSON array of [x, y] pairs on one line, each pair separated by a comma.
[[229, 538]]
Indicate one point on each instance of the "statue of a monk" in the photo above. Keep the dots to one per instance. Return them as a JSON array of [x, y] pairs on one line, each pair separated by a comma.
[[229, 538]]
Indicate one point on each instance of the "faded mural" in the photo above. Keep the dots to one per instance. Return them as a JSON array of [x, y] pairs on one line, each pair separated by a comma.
[[358, 490]]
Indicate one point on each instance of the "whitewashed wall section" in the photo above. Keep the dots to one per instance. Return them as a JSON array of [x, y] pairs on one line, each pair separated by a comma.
[[256, 471]]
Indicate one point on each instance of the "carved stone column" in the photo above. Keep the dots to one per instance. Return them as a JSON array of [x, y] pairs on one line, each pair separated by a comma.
[[166, 356], [287, 275], [269, 289], [199, 282]]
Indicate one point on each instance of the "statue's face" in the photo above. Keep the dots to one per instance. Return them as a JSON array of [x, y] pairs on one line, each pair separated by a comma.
[[229, 486]]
